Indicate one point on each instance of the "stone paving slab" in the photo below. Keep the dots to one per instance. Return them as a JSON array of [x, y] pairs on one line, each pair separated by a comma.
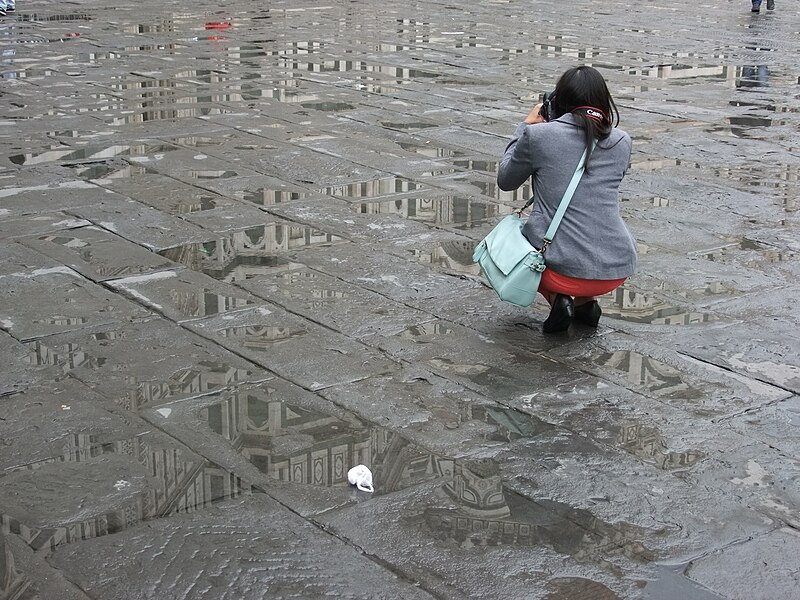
[[201, 557], [184, 295], [39, 224], [96, 253], [59, 300], [341, 306], [745, 578], [178, 365], [286, 344]]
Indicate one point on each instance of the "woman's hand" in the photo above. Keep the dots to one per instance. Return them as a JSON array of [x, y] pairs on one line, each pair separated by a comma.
[[534, 116]]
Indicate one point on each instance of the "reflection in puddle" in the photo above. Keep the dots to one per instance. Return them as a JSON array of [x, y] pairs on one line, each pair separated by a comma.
[[203, 377], [646, 443], [262, 337], [328, 106], [295, 444], [178, 482], [480, 511], [407, 126], [636, 307], [429, 150], [450, 256], [741, 253], [371, 189], [488, 187], [89, 153], [416, 333], [460, 212], [245, 254], [270, 197], [211, 174], [204, 302], [654, 376], [61, 321]]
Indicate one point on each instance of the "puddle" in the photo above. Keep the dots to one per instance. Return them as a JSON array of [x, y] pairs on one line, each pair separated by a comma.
[[487, 514], [451, 257], [429, 150], [89, 153], [328, 106], [645, 372], [425, 330], [456, 211], [61, 321], [166, 114], [486, 166], [636, 307], [176, 485], [262, 337], [686, 71], [573, 588], [645, 443], [488, 187], [271, 197], [294, 444], [372, 189], [211, 174], [244, 254], [205, 376], [408, 126], [749, 253]]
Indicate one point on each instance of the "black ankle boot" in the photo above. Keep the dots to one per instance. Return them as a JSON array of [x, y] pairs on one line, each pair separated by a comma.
[[589, 313], [561, 314]]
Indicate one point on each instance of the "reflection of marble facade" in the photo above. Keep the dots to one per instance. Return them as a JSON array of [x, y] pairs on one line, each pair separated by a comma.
[[647, 444], [642, 370], [634, 306], [207, 376], [12, 583], [451, 210], [244, 253], [174, 485]]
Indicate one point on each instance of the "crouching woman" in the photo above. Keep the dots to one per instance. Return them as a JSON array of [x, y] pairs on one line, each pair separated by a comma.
[[593, 252]]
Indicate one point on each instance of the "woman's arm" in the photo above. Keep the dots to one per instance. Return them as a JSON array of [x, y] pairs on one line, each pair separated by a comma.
[[517, 162]]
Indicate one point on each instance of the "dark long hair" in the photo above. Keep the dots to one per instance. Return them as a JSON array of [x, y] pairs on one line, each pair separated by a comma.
[[582, 88]]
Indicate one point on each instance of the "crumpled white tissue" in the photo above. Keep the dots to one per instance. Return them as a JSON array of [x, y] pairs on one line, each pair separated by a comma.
[[361, 477]]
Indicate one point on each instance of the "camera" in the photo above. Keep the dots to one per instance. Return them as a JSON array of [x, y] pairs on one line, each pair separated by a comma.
[[547, 111]]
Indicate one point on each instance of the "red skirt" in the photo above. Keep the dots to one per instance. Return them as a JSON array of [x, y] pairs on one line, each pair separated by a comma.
[[556, 283]]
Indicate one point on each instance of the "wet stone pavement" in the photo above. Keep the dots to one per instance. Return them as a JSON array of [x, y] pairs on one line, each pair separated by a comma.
[[236, 261]]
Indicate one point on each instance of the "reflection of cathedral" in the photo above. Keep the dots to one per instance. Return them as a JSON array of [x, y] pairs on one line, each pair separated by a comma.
[[640, 308], [174, 485], [290, 443], [647, 444], [451, 210], [205, 377], [243, 254], [641, 370], [12, 583]]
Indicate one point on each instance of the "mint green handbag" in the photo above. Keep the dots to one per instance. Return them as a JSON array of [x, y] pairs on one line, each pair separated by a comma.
[[512, 266]]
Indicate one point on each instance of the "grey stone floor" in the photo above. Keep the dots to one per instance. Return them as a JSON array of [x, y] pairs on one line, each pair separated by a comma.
[[235, 243]]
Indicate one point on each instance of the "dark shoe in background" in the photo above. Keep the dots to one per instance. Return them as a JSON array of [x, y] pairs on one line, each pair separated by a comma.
[[561, 314], [770, 4], [589, 313]]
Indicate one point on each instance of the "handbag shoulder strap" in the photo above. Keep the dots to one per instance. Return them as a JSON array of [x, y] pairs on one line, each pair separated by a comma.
[[566, 199]]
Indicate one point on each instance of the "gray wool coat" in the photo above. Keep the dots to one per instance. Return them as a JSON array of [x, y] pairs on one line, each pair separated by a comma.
[[592, 241]]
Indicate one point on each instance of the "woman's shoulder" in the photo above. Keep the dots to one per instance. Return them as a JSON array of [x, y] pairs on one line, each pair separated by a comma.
[[615, 138]]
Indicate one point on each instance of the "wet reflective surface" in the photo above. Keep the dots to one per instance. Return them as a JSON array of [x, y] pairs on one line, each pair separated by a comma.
[[269, 211], [245, 254]]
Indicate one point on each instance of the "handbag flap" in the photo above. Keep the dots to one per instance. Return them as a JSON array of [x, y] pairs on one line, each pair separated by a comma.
[[506, 245]]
